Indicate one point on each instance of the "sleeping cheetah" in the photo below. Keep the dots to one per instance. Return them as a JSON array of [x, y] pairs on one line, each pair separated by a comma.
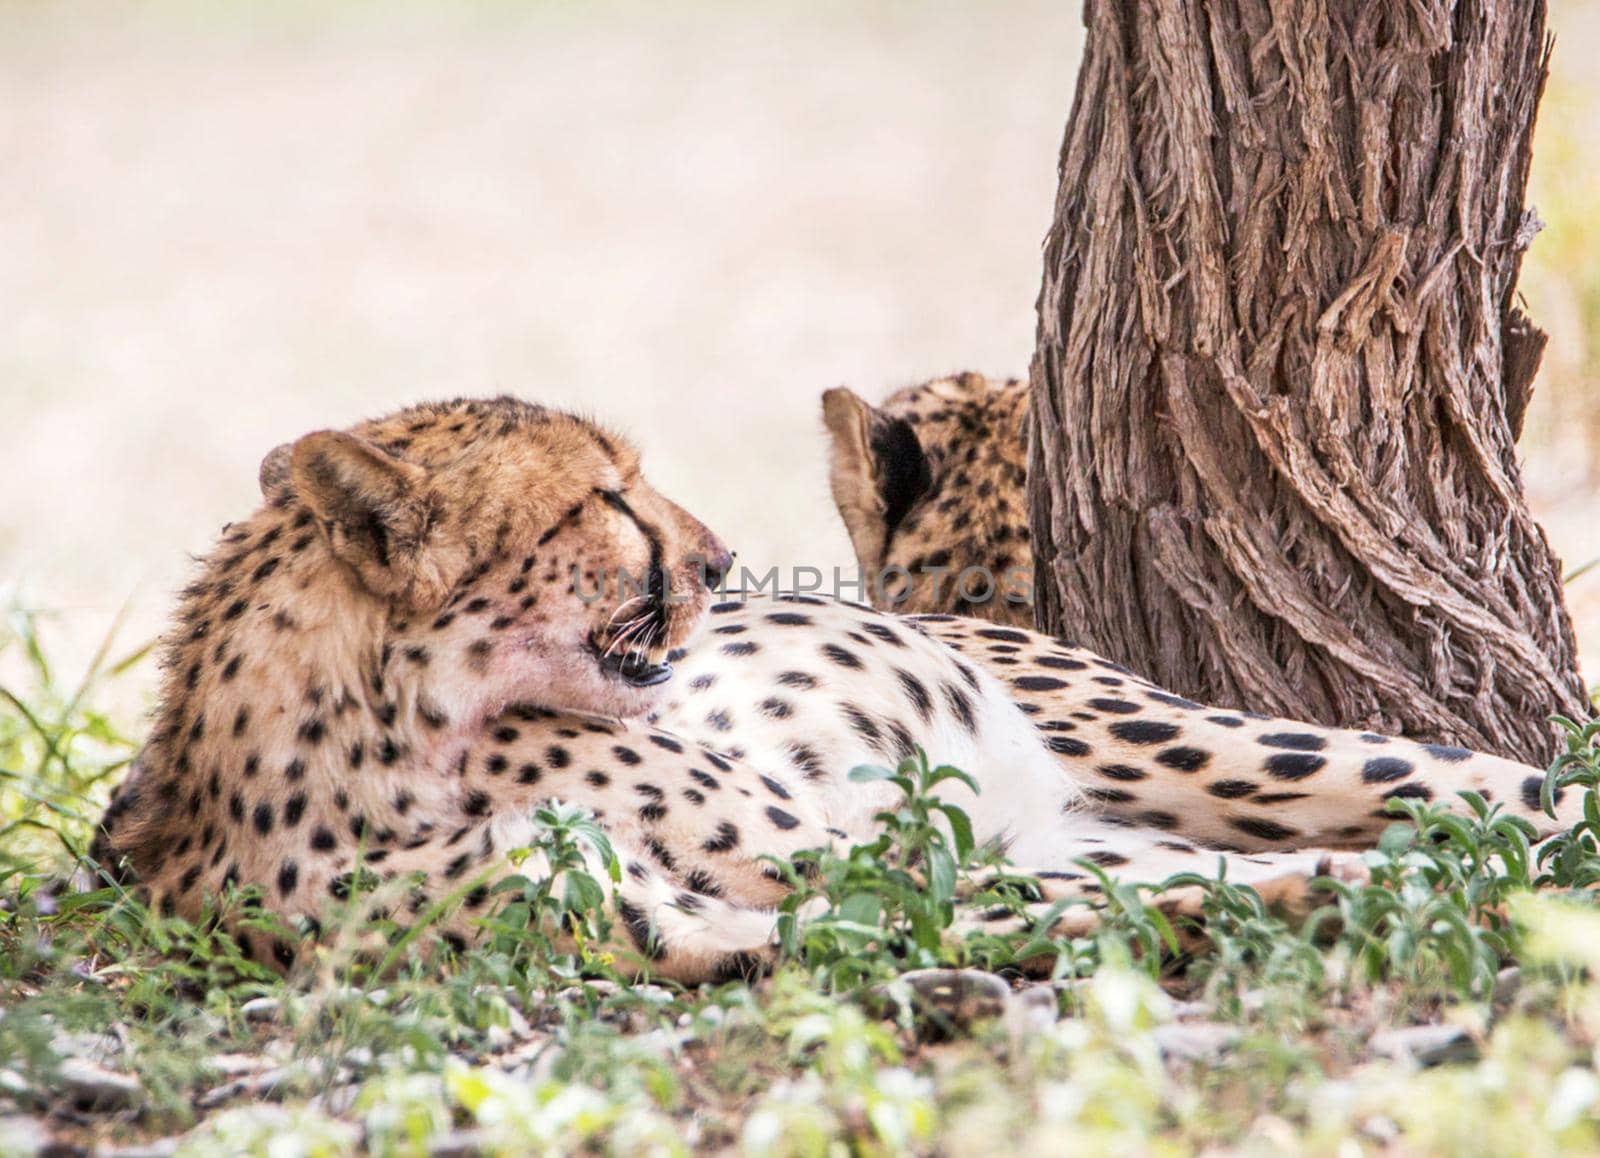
[[932, 486], [413, 642]]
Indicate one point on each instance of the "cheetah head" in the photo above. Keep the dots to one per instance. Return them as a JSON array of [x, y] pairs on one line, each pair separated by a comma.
[[503, 551], [931, 487]]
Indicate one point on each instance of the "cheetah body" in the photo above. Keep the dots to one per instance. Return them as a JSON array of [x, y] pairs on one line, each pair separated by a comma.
[[393, 664]]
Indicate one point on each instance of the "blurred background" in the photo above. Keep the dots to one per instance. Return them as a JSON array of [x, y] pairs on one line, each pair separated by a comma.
[[222, 225]]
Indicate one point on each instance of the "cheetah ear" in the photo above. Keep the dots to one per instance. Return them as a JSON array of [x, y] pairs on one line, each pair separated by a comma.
[[876, 468], [274, 476], [373, 509]]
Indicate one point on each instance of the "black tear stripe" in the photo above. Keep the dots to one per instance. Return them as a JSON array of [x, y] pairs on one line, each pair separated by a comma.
[[657, 584]]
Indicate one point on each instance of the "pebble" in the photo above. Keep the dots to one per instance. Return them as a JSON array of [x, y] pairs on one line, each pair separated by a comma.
[[92, 1086], [1427, 1045], [262, 1009], [1196, 1041], [22, 1136]]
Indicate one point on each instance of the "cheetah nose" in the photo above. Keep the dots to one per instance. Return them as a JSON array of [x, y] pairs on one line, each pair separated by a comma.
[[717, 566]]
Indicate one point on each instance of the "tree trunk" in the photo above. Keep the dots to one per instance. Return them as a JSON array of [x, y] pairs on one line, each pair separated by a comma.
[[1280, 373]]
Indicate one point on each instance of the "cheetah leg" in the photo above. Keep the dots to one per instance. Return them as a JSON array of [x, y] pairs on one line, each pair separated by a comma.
[[1283, 880], [663, 927], [1222, 777]]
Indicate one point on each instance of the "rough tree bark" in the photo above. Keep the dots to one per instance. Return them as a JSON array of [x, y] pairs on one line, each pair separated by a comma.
[[1280, 373]]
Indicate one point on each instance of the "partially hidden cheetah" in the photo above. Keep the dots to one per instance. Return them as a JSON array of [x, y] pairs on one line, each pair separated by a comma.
[[932, 487], [413, 643]]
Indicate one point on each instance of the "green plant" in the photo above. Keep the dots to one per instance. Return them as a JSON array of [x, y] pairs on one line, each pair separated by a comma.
[[1434, 908]]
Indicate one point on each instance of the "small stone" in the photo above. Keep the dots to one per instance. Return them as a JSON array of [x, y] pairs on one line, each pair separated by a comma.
[[456, 1144], [1035, 1010], [237, 1065], [1427, 1045], [1196, 1041], [262, 1009], [94, 1087], [949, 1001], [1507, 983], [89, 1045], [160, 1148], [22, 1136]]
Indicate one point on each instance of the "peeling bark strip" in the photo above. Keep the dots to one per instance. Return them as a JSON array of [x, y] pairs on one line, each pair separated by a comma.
[[1280, 374]]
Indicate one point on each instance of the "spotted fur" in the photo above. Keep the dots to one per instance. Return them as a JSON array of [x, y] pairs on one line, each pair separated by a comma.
[[392, 663], [931, 485]]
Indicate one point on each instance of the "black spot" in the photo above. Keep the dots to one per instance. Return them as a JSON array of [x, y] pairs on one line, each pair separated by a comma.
[[1383, 769], [776, 788], [782, 819], [724, 839], [1226, 721], [263, 818], [797, 679], [1294, 741], [293, 809], [1144, 731], [841, 656], [528, 774], [627, 755], [1294, 765], [1183, 758], [1105, 859], [1447, 752], [1117, 707], [961, 707], [1232, 789], [322, 840], [598, 779], [288, 877], [703, 883], [805, 758], [1105, 795], [1532, 793], [1003, 634], [557, 756], [740, 647], [1067, 746], [667, 742], [884, 632], [476, 804], [1060, 663], [639, 930], [1038, 683], [1372, 738], [1262, 829], [1174, 701], [1126, 772], [789, 618], [864, 725]]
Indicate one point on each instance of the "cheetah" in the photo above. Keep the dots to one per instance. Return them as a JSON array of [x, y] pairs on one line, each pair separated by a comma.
[[931, 486], [412, 644]]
